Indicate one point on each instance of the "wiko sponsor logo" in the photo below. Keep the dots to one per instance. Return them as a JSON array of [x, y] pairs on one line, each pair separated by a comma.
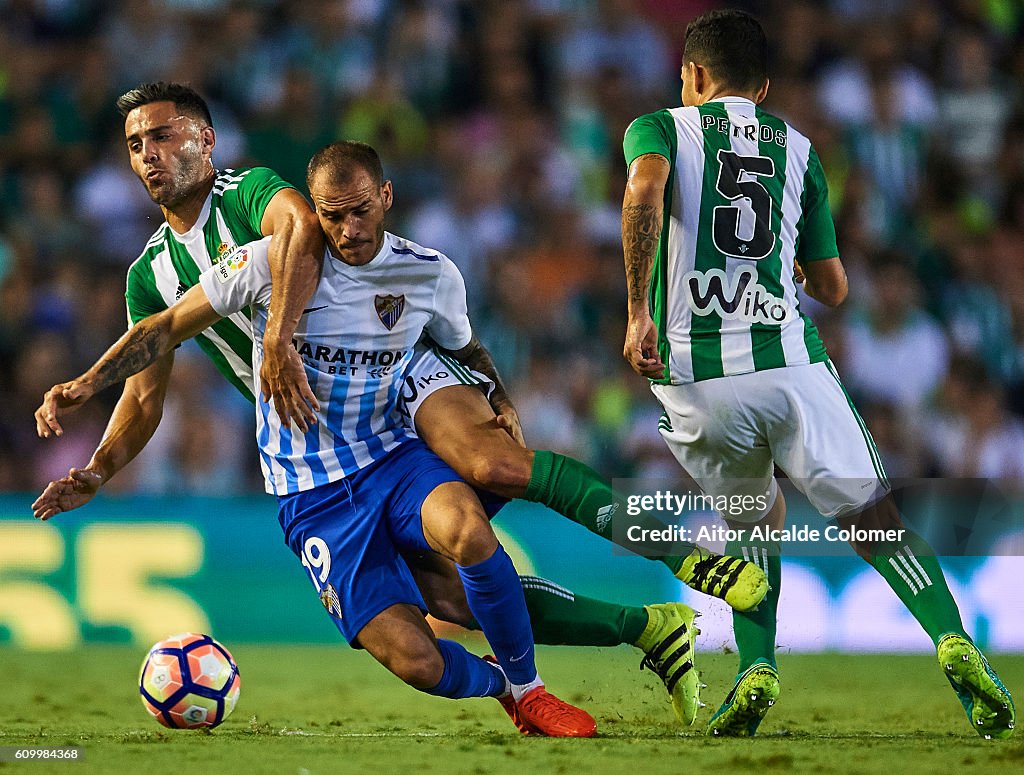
[[742, 298], [411, 388]]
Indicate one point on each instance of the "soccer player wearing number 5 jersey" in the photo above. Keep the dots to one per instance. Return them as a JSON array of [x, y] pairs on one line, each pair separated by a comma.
[[724, 205]]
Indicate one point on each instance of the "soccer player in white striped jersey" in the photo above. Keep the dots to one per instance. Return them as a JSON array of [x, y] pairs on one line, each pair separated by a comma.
[[356, 490], [724, 205]]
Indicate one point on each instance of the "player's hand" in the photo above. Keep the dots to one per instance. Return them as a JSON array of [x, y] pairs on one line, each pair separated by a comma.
[[508, 418], [58, 401], [74, 490], [283, 381], [641, 347], [798, 273]]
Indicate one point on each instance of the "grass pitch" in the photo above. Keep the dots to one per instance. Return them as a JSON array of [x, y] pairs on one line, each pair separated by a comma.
[[319, 710]]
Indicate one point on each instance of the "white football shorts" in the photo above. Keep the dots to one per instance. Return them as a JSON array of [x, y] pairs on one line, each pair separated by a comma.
[[729, 432], [429, 371]]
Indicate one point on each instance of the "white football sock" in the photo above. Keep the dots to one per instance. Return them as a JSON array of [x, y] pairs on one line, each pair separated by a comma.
[[520, 690]]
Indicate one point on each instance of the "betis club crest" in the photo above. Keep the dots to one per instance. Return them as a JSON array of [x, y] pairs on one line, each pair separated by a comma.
[[389, 309]]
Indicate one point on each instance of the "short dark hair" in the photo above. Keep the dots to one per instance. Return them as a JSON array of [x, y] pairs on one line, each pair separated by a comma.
[[732, 45], [342, 157], [185, 98]]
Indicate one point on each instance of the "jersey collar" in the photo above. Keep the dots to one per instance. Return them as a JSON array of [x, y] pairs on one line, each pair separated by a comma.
[[733, 100]]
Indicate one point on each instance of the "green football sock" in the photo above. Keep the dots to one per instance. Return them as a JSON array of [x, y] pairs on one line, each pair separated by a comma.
[[912, 570], [584, 496], [561, 618], [755, 630]]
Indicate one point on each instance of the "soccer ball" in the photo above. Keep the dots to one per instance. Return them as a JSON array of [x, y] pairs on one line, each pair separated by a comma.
[[189, 681]]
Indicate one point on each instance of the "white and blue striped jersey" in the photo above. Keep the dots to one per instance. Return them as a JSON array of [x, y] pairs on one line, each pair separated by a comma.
[[356, 338]]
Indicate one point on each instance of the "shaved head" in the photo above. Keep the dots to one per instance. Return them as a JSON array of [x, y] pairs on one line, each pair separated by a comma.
[[343, 161]]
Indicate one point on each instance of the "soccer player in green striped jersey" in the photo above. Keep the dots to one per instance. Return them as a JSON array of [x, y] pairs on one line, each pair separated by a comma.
[[725, 211], [208, 212]]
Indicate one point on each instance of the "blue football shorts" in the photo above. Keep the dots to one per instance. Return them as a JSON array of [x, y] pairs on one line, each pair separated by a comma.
[[349, 534]]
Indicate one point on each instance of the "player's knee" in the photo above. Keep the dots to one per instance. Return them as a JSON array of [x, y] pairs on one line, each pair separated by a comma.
[[882, 515], [889, 517], [472, 540], [504, 474], [455, 525]]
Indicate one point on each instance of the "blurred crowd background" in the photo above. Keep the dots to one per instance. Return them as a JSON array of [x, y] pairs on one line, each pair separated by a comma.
[[500, 123]]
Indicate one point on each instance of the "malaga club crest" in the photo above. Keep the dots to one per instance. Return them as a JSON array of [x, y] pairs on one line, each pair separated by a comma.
[[389, 309], [329, 598]]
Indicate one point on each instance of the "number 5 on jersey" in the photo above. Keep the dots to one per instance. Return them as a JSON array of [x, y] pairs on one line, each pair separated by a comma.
[[743, 229]]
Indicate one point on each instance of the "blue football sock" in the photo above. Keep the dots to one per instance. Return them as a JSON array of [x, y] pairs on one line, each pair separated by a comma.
[[466, 675], [495, 598]]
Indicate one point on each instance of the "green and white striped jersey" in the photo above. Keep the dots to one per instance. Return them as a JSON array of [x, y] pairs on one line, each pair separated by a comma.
[[746, 196], [171, 263]]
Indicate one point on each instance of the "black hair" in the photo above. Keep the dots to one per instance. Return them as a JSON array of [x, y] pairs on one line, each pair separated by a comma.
[[732, 45], [341, 157], [185, 98]]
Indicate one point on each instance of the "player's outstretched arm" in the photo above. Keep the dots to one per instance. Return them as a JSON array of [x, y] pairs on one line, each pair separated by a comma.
[[642, 214], [475, 356], [132, 424], [296, 252], [143, 344]]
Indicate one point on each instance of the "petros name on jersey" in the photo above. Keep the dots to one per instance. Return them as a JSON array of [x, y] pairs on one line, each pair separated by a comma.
[[741, 299], [764, 133]]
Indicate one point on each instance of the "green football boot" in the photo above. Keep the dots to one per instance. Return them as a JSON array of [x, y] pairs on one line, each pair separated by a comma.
[[986, 700], [738, 582], [668, 644], [750, 699]]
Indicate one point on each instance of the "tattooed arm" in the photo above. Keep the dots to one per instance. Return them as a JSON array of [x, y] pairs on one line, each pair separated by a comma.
[[475, 356], [144, 357], [146, 342], [642, 215]]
